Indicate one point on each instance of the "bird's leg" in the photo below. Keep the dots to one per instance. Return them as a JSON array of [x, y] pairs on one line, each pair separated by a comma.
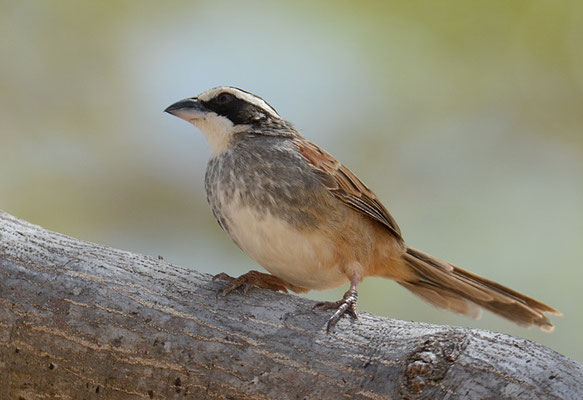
[[252, 279], [347, 305]]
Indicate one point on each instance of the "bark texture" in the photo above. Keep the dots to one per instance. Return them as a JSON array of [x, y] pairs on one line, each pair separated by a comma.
[[84, 321]]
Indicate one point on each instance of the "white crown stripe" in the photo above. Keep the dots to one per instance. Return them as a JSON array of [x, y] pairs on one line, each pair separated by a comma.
[[240, 94]]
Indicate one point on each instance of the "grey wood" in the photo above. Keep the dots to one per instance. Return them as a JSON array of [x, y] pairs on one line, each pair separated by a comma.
[[83, 321]]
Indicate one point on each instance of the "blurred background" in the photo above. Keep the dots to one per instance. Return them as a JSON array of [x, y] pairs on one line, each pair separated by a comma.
[[466, 118]]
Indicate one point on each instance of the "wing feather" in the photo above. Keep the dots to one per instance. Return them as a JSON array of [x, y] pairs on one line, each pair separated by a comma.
[[346, 186]]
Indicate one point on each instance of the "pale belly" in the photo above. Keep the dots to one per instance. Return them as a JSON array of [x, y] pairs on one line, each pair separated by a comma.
[[306, 259]]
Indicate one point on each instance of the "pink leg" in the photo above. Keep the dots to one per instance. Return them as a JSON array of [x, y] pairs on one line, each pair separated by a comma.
[[347, 305]]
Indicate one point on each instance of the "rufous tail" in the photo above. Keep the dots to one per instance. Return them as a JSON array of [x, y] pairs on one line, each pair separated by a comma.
[[447, 286]]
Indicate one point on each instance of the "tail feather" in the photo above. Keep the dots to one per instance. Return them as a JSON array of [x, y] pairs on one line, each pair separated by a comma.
[[447, 286], [444, 300]]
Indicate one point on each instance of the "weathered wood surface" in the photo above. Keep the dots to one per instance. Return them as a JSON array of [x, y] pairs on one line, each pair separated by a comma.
[[84, 321]]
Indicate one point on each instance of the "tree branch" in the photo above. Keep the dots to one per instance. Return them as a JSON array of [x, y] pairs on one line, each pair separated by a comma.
[[80, 320]]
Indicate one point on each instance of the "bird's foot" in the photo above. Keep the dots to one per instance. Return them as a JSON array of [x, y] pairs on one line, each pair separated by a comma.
[[249, 280], [345, 306]]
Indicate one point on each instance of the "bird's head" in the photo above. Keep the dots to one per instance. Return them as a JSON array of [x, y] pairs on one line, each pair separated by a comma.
[[222, 112]]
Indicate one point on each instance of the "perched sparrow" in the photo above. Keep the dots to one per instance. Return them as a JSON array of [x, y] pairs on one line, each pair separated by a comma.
[[313, 224]]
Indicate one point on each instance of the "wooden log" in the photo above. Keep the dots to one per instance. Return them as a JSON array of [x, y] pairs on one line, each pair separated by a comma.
[[84, 321]]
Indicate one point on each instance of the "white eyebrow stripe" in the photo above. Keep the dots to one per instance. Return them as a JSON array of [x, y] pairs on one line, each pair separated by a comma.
[[240, 94]]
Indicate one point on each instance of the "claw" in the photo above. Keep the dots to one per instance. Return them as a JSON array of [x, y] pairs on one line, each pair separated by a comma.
[[345, 306], [224, 277]]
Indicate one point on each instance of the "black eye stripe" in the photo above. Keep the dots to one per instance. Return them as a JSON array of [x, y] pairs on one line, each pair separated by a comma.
[[238, 111]]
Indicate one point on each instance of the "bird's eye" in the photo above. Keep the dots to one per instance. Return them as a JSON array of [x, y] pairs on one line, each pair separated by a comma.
[[224, 98]]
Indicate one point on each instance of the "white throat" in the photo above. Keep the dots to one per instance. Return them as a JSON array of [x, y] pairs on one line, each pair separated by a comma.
[[218, 131]]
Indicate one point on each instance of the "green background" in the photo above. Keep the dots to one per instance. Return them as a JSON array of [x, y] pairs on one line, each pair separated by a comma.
[[466, 119]]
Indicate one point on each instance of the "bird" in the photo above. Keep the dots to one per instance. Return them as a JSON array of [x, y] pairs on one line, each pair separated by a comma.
[[313, 224]]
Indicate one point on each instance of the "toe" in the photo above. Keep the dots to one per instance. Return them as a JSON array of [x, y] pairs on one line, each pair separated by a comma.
[[352, 312], [326, 305], [224, 277], [246, 286]]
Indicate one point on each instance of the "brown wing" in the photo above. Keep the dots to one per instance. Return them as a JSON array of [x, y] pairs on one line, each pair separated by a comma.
[[346, 186]]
